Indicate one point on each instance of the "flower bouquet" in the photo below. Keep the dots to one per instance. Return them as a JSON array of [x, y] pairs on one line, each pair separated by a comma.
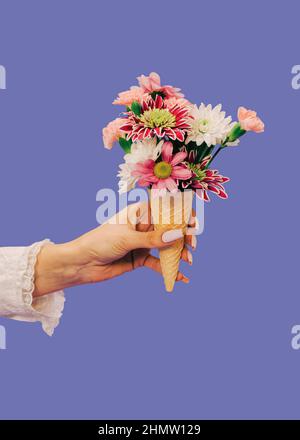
[[169, 146]]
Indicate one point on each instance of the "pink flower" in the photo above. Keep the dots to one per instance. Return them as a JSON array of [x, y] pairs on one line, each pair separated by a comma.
[[127, 97], [157, 119], [204, 180], [179, 101], [151, 84], [249, 121], [111, 133], [163, 175]]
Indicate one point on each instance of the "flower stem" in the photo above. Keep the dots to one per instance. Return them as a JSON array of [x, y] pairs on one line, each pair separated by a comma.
[[214, 155]]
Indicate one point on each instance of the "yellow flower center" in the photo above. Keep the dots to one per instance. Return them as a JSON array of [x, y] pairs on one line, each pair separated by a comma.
[[162, 170], [158, 117]]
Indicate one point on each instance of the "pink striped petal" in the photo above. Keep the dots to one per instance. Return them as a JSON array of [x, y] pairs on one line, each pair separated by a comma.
[[170, 133], [205, 196], [179, 135], [214, 189], [185, 184], [205, 162], [159, 103], [192, 156], [180, 113], [197, 184], [126, 127], [202, 194], [147, 132], [157, 131], [223, 195]]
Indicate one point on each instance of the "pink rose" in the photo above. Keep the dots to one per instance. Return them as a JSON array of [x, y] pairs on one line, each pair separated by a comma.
[[249, 121], [111, 133], [127, 97]]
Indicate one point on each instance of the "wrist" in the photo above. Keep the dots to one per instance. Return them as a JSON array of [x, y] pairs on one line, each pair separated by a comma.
[[58, 266]]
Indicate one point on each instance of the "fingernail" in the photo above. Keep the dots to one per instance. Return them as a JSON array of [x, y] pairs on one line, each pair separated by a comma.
[[194, 242], [172, 235], [190, 257], [185, 279]]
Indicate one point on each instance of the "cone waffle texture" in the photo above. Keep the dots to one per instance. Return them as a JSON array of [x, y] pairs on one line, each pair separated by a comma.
[[171, 211]]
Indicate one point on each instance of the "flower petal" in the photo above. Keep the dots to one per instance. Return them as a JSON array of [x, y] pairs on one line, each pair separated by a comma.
[[179, 135], [171, 184], [145, 167], [180, 172], [179, 157], [166, 152]]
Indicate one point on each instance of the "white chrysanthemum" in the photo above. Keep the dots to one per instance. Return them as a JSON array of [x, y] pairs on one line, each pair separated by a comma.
[[209, 125], [140, 152]]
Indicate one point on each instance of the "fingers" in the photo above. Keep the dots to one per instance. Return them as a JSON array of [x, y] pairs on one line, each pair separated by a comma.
[[187, 256], [193, 218], [132, 215], [154, 264], [191, 240], [192, 231], [153, 239], [139, 213]]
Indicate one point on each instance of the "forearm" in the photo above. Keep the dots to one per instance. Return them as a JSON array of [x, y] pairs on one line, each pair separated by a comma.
[[58, 266]]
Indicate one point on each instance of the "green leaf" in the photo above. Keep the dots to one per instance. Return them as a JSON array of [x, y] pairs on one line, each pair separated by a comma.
[[136, 108], [125, 144], [235, 133]]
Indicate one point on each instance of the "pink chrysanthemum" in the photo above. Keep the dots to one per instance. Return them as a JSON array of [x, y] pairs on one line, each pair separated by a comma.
[[157, 119], [163, 175], [152, 84], [204, 180]]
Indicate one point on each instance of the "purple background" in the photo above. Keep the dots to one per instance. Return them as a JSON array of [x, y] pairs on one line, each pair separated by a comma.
[[220, 347]]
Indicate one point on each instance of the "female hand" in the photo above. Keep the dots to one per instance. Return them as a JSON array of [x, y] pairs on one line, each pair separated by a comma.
[[120, 245]]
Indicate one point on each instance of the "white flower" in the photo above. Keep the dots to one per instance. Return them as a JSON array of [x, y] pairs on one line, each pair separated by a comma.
[[127, 181], [209, 125], [140, 151]]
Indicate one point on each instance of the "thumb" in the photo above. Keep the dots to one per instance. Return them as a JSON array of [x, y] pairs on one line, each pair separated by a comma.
[[153, 239]]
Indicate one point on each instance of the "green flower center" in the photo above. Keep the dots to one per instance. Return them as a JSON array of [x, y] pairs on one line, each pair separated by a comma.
[[162, 170], [202, 125], [158, 117], [200, 174]]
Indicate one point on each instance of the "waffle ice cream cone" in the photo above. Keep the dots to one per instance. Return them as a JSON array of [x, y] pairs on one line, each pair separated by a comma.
[[171, 211]]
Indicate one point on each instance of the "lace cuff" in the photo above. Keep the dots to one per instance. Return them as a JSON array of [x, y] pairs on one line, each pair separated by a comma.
[[47, 308]]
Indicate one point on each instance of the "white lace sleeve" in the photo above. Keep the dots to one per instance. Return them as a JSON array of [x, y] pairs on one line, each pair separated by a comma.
[[17, 266]]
